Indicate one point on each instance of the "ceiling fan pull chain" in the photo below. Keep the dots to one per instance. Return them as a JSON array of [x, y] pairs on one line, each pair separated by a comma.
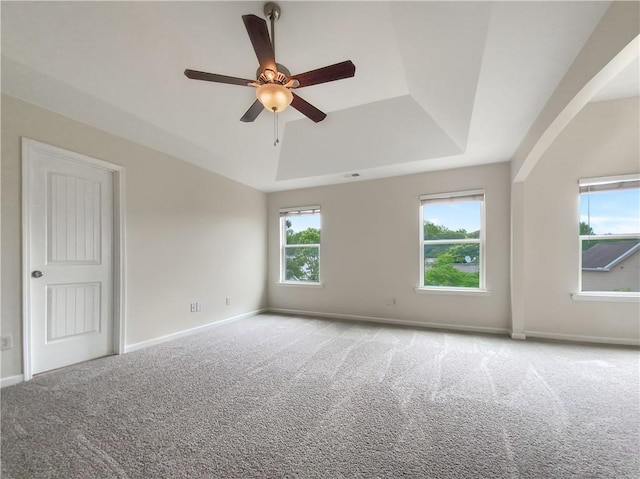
[[276, 140]]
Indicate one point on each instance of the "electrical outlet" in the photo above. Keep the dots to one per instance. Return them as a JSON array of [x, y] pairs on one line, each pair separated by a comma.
[[390, 301], [193, 307], [198, 306], [228, 301], [6, 342]]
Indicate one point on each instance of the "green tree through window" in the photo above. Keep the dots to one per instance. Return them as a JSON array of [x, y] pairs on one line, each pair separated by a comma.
[[301, 245], [302, 264], [444, 273], [452, 240]]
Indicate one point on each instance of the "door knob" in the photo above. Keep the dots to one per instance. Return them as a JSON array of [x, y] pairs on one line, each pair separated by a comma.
[[36, 274]]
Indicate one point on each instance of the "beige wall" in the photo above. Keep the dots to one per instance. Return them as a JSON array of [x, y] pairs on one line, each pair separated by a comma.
[[602, 140], [192, 235], [371, 249], [195, 236]]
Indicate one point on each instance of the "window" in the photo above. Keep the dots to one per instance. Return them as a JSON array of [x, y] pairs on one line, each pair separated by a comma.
[[300, 245], [452, 253], [610, 234]]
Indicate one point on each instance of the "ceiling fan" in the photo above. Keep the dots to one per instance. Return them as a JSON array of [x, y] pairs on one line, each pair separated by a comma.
[[273, 81]]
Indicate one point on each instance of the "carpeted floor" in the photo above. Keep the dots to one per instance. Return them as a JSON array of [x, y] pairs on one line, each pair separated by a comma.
[[278, 396]]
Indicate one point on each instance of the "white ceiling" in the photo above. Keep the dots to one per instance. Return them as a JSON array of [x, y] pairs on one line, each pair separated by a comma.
[[437, 84]]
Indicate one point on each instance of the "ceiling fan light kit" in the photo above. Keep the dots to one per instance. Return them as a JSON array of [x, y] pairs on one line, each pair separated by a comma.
[[273, 81], [274, 97]]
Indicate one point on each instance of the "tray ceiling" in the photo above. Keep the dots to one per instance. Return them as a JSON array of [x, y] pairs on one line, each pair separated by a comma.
[[438, 84]]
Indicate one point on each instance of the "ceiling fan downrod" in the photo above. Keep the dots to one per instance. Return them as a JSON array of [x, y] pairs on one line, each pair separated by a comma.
[[272, 12]]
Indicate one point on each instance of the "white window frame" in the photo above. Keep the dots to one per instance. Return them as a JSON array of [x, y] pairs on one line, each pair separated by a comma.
[[605, 183], [481, 241], [284, 213]]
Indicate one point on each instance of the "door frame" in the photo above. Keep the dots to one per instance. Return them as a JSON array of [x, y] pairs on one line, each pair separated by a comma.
[[119, 304]]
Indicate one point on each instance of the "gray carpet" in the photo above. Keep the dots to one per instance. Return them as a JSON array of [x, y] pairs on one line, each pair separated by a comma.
[[277, 396]]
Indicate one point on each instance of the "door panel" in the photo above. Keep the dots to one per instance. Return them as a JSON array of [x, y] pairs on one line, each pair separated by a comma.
[[72, 309], [74, 212], [71, 218]]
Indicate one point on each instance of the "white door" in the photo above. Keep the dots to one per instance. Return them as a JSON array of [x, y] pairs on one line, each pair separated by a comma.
[[70, 259]]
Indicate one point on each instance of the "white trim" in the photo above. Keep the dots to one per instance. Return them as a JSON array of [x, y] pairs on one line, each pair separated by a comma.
[[452, 196], [481, 241], [607, 296], [11, 380], [119, 298], [119, 286], [284, 212], [187, 332], [402, 322], [582, 238], [300, 284], [603, 180], [307, 210], [454, 241], [580, 253], [582, 339], [304, 245], [618, 236], [452, 291], [421, 243], [26, 290], [69, 155], [467, 328]]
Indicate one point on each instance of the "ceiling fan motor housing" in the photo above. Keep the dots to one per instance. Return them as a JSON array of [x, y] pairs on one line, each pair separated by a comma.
[[281, 77]]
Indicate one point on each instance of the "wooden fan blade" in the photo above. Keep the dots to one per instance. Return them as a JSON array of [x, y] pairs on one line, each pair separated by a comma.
[[196, 75], [307, 109], [253, 112], [259, 36], [326, 74]]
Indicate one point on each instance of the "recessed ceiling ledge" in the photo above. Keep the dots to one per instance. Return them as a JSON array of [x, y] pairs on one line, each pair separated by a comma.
[[612, 46]]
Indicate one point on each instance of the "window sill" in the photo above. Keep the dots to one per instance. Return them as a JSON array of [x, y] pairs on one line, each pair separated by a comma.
[[453, 291], [300, 284], [610, 296]]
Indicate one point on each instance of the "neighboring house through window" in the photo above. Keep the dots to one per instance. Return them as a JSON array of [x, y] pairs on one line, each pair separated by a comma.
[[300, 245], [610, 234], [452, 246]]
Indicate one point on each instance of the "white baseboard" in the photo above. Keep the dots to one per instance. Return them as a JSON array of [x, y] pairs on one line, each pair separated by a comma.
[[163, 339], [11, 380], [459, 327], [582, 339], [402, 322]]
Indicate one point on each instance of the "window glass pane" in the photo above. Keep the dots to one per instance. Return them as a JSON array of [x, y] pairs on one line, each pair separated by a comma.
[[610, 212], [611, 265], [302, 229], [454, 265], [455, 220], [302, 264]]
